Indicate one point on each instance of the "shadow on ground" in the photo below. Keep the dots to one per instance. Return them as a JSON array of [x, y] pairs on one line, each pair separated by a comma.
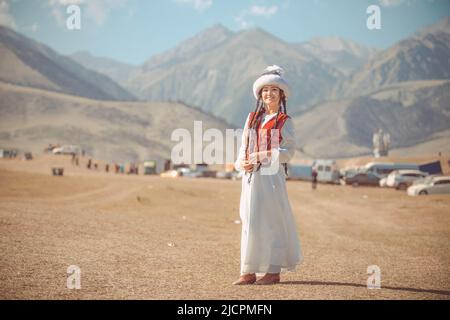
[[348, 284]]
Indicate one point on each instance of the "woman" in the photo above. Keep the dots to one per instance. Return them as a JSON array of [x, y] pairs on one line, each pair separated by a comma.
[[269, 241]]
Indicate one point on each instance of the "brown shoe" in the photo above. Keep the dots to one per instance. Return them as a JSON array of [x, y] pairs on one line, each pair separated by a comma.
[[245, 279], [269, 278]]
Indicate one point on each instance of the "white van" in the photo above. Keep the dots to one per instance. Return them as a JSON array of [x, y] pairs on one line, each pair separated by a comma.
[[327, 171]]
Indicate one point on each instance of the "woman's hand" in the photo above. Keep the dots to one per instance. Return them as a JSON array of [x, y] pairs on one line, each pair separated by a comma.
[[262, 156], [247, 165]]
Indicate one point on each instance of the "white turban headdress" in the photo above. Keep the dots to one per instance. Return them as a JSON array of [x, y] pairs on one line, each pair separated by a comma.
[[272, 75]]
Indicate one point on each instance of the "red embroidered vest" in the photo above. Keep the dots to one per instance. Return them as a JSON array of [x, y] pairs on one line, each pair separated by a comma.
[[264, 134]]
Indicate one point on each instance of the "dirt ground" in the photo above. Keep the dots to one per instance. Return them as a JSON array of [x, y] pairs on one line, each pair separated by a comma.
[[146, 237]]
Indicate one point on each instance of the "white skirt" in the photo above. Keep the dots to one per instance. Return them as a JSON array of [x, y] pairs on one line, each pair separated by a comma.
[[269, 240]]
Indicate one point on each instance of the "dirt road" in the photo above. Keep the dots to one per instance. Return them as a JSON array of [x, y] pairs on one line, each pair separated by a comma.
[[142, 237]]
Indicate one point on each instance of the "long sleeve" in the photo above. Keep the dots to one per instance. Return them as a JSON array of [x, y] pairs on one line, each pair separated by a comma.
[[241, 155], [287, 146]]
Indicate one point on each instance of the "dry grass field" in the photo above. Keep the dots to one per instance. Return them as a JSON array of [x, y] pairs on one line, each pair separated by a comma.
[[147, 237]]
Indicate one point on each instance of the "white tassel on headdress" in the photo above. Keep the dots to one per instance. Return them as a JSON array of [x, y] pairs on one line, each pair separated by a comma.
[[274, 70]]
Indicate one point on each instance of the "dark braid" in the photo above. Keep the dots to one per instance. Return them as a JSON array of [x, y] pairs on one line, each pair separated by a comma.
[[284, 105], [250, 124], [281, 108], [258, 115], [254, 123], [254, 120], [283, 102]]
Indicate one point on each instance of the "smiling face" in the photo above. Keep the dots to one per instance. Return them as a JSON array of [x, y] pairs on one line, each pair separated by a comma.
[[271, 96]]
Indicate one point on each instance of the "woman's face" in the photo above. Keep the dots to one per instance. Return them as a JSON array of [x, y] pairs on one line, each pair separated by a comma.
[[271, 96]]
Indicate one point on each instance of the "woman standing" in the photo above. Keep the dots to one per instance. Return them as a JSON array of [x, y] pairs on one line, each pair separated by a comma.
[[269, 241]]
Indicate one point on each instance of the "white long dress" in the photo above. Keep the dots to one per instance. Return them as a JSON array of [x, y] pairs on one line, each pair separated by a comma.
[[269, 240]]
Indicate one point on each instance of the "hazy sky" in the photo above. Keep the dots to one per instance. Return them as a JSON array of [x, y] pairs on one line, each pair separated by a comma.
[[133, 30]]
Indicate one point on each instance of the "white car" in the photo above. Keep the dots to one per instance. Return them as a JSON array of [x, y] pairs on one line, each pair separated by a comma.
[[188, 173], [426, 179], [66, 150], [402, 179], [434, 185]]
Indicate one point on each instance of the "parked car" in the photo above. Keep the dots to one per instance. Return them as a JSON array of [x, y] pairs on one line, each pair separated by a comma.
[[402, 179], [69, 149], [383, 169], [350, 172], [188, 173], [425, 180], [224, 174], [363, 178], [435, 185]]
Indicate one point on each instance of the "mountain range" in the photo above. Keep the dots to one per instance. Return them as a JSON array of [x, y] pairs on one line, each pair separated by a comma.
[[28, 63], [118, 131], [423, 56], [215, 69], [411, 112], [342, 91]]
